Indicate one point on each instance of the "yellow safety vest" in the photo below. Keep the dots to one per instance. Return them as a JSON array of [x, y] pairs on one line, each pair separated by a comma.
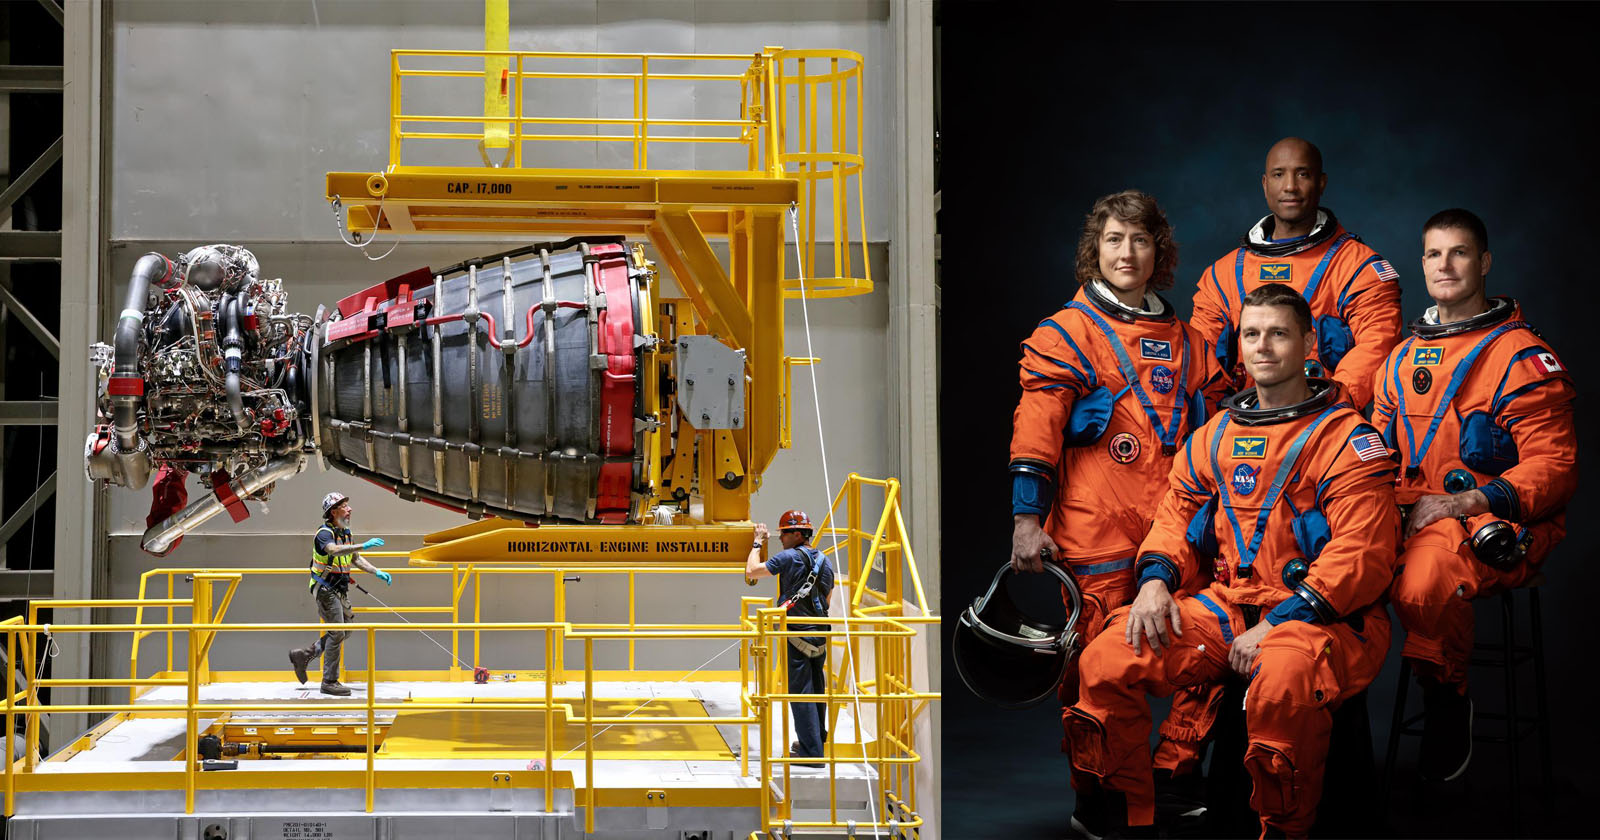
[[331, 569]]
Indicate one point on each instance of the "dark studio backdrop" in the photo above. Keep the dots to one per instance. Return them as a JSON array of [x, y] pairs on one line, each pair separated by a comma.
[[1416, 108]]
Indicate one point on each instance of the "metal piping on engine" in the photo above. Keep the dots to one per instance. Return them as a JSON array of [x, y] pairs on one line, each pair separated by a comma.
[[130, 449], [233, 354], [158, 539]]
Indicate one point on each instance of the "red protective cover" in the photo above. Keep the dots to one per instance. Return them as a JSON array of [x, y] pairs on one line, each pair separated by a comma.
[[123, 385], [390, 288], [168, 497], [617, 382], [222, 488]]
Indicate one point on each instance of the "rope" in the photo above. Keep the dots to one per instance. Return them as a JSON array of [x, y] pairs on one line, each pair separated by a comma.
[[827, 485], [647, 702], [413, 624]]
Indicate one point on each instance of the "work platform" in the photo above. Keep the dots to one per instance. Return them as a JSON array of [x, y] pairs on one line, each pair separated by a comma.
[[128, 779], [567, 751]]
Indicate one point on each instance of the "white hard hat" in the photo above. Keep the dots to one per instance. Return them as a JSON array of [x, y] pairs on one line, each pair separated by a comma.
[[333, 500]]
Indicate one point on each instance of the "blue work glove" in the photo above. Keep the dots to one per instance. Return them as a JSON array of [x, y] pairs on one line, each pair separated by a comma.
[[385, 576], [372, 543]]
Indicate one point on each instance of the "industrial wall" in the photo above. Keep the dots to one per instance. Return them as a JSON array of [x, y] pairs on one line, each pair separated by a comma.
[[225, 118]]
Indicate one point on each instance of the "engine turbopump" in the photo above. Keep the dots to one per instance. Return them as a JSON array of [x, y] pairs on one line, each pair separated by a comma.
[[205, 375]]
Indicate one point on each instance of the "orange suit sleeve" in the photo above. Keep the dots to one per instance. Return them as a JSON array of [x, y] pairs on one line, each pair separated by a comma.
[[1371, 306], [1534, 404], [1356, 494], [1166, 551]]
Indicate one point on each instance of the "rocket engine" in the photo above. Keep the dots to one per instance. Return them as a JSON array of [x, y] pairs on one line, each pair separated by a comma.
[[510, 386]]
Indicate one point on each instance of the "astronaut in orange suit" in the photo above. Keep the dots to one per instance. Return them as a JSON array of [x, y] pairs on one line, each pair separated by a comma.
[[1353, 292], [1354, 296], [1111, 385], [1301, 488], [1480, 410]]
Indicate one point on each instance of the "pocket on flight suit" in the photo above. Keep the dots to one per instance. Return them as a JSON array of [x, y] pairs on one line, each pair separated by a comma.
[[1276, 784], [1085, 742]]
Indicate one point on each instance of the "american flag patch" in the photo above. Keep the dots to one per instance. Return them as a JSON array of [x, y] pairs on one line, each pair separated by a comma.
[[1369, 447], [1385, 270]]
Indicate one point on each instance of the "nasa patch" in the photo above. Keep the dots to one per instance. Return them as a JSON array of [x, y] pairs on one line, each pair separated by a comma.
[[1161, 379], [1276, 272], [1421, 380], [1124, 448], [1244, 479], [1150, 348]]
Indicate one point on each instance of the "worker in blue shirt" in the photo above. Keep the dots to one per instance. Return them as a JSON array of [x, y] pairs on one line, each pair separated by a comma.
[[805, 581], [334, 557]]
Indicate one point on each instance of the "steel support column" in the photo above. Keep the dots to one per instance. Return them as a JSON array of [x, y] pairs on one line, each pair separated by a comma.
[[913, 317], [78, 528]]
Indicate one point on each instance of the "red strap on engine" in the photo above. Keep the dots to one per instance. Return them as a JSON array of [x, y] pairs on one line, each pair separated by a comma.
[[616, 384], [168, 281], [222, 488], [168, 496], [121, 386]]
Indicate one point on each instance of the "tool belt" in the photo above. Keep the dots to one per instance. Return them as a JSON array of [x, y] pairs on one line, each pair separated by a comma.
[[811, 651]]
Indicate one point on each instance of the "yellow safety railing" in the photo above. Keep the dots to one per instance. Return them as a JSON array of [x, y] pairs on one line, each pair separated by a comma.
[[797, 114], [871, 647]]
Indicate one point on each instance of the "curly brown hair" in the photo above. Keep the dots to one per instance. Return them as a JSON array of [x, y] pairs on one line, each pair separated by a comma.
[[1130, 207]]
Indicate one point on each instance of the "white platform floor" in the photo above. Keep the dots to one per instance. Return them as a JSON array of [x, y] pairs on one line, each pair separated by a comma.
[[137, 746]]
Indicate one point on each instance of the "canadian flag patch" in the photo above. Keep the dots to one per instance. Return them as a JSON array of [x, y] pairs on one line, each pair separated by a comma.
[[1547, 363]]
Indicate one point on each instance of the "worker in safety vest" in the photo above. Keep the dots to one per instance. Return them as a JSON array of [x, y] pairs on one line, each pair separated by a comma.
[[805, 583], [1111, 385], [1354, 296], [1480, 410], [1295, 489], [334, 557], [1353, 293]]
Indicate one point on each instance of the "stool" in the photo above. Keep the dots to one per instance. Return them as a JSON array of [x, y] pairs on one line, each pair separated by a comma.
[[1505, 655]]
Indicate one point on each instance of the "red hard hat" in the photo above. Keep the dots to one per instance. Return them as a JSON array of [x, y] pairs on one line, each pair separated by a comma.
[[794, 520]]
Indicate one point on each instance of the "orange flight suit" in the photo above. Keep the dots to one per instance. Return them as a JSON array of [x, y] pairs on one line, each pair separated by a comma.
[[1272, 479], [1353, 293], [1484, 404], [1096, 497], [1354, 296]]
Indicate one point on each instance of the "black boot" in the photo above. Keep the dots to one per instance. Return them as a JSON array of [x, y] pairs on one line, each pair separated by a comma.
[[1103, 815], [1180, 799], [1093, 817], [300, 658]]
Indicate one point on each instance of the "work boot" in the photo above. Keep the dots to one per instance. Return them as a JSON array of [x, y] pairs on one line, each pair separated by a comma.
[[300, 658], [337, 689], [794, 752], [1179, 799], [1446, 732], [1094, 815]]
